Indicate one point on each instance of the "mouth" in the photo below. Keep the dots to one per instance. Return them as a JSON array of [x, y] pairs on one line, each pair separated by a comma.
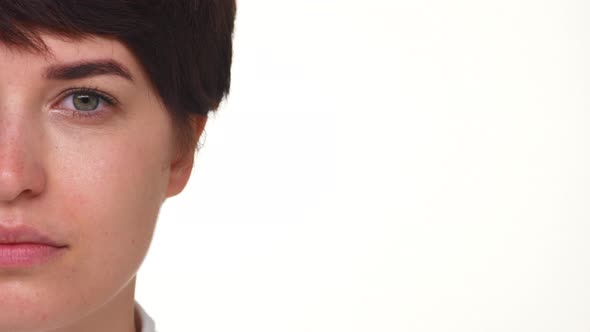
[[24, 246]]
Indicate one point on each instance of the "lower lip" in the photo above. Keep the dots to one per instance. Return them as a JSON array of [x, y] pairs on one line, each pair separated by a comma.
[[22, 255]]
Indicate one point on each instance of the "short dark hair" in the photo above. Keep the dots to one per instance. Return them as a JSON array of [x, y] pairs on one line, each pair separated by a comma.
[[185, 46]]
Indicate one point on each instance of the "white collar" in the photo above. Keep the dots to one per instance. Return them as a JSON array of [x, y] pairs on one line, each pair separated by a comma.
[[147, 323]]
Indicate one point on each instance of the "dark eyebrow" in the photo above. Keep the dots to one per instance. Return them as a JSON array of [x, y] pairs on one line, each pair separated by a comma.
[[86, 69]]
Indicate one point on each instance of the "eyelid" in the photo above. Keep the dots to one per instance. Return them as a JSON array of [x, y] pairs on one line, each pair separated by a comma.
[[93, 91]]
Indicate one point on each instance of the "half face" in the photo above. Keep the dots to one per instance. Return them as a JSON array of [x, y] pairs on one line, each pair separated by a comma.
[[86, 159]]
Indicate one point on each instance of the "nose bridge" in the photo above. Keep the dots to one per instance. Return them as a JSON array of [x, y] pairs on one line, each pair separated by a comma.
[[13, 141], [20, 168]]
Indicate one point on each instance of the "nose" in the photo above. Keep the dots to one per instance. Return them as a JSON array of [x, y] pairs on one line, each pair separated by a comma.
[[21, 172]]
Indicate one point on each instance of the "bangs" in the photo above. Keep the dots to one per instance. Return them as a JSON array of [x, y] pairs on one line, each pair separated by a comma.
[[21, 22]]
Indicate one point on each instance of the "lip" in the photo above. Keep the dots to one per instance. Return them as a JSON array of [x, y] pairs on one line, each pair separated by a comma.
[[24, 246], [25, 234]]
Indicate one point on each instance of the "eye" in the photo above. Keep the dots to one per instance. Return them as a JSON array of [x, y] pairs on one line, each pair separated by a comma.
[[85, 101]]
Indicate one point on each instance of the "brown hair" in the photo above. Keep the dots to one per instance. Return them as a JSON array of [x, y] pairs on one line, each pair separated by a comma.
[[185, 46]]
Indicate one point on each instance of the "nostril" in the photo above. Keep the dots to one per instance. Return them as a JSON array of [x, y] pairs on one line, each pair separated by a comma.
[[27, 182]]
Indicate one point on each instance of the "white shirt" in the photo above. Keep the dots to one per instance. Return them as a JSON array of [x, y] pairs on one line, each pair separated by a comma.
[[147, 323]]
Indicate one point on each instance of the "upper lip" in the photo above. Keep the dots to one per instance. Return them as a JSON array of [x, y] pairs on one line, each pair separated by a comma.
[[25, 234]]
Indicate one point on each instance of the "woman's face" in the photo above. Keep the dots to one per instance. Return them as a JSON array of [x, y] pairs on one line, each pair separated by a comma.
[[88, 172]]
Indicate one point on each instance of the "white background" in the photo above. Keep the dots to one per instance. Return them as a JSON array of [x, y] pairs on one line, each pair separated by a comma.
[[388, 165]]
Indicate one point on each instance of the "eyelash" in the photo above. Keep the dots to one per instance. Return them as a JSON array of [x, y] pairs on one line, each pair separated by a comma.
[[105, 98]]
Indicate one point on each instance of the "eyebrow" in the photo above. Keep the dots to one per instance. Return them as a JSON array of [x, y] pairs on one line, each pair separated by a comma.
[[85, 69]]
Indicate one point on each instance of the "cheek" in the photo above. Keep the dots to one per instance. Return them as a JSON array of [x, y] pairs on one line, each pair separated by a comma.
[[114, 190]]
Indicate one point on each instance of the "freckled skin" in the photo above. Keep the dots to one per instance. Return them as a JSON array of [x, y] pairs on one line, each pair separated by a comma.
[[94, 185]]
